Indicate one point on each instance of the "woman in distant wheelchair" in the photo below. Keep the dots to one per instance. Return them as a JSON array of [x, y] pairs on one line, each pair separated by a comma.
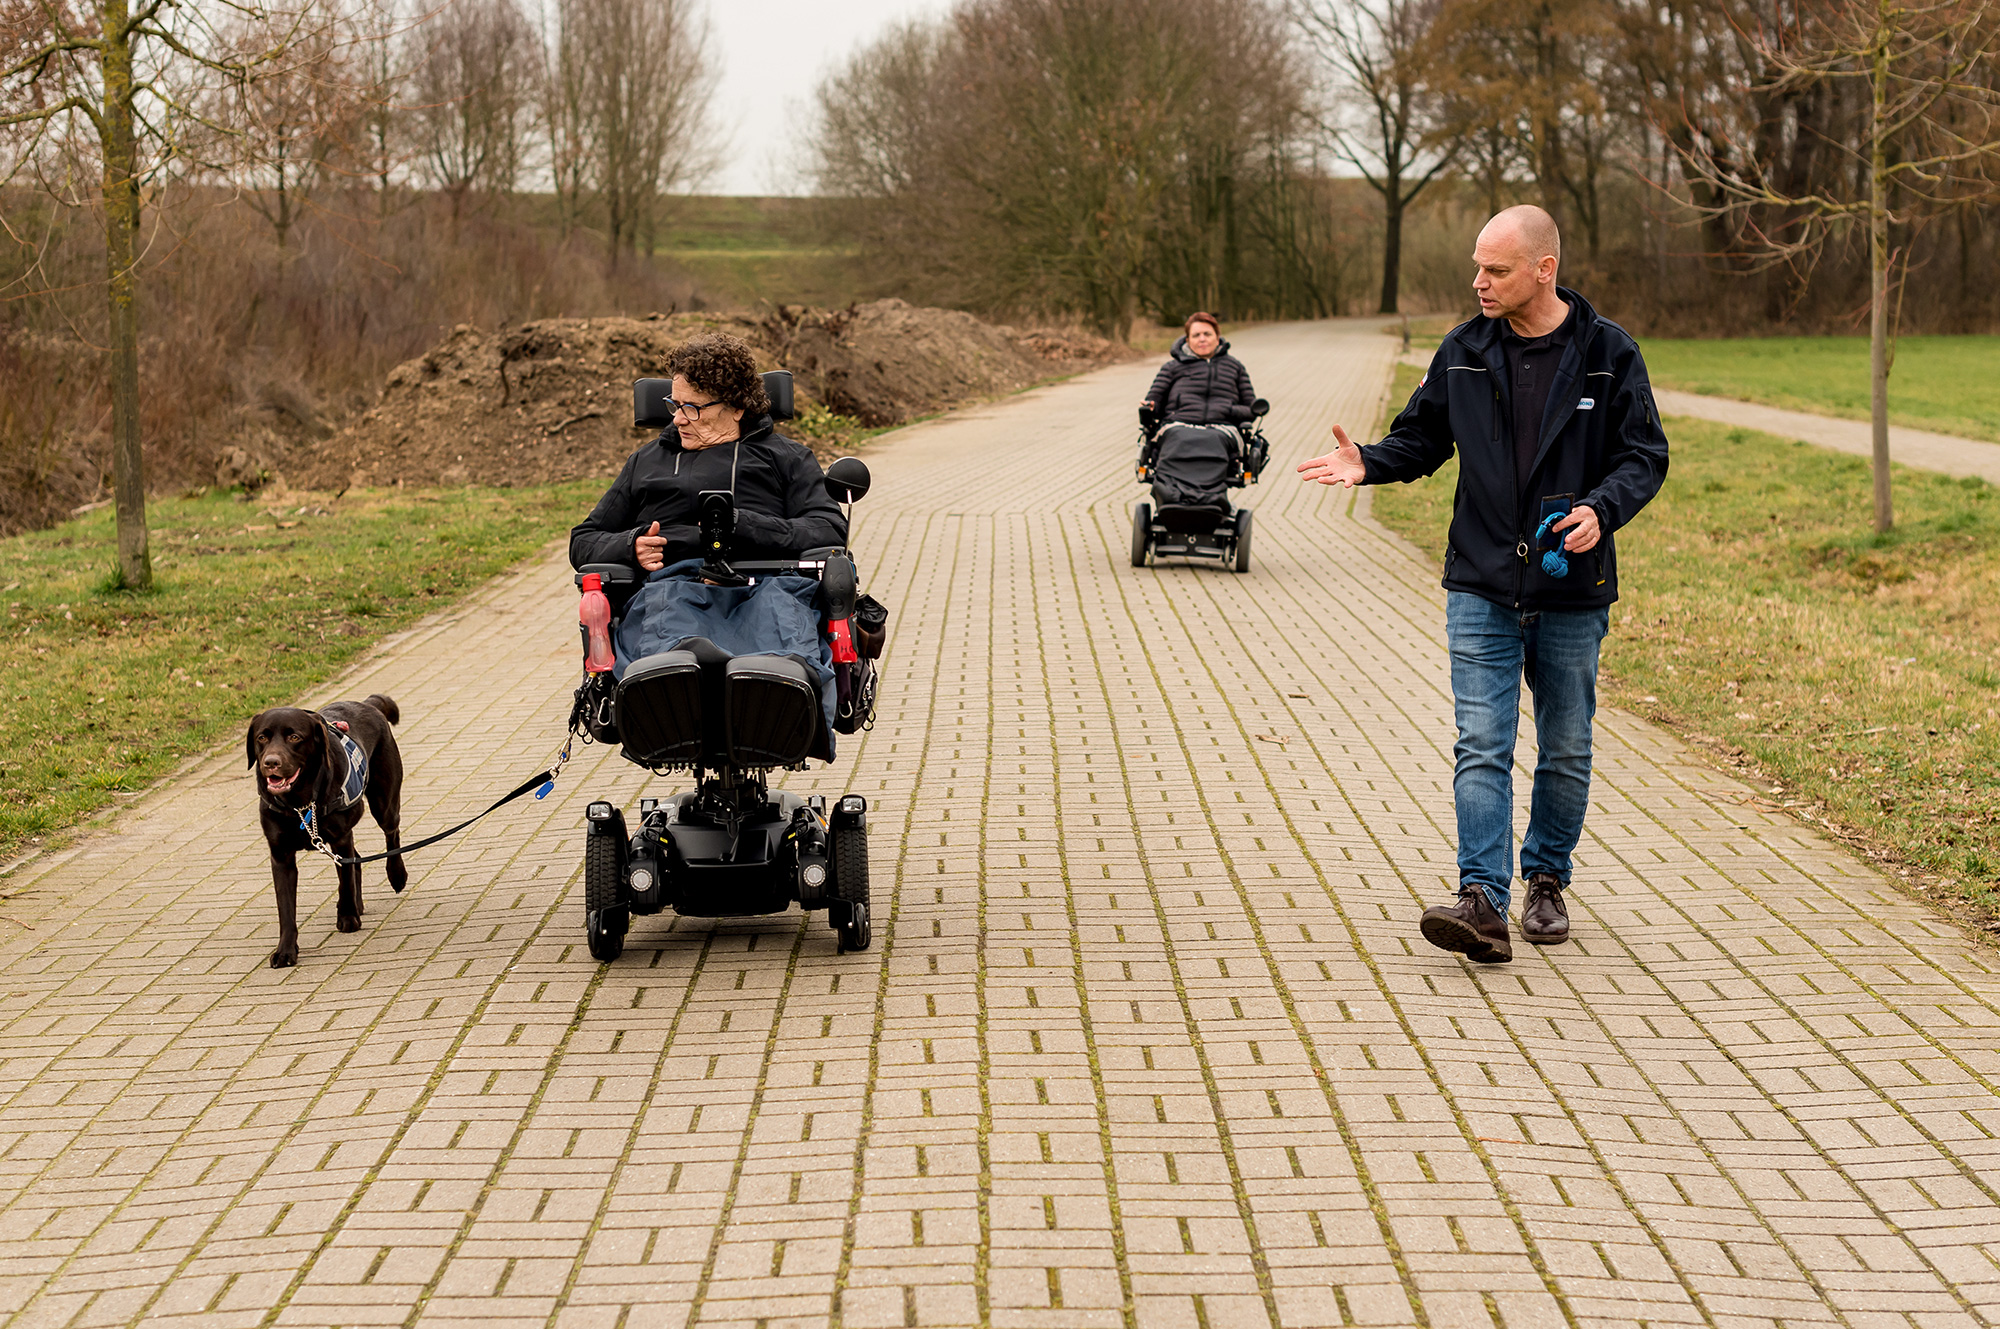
[[722, 438], [1191, 448], [1201, 383]]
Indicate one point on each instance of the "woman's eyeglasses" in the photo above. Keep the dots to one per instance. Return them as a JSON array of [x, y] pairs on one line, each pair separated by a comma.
[[692, 408]]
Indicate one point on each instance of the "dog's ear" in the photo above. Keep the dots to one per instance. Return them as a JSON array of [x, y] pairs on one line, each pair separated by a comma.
[[250, 740]]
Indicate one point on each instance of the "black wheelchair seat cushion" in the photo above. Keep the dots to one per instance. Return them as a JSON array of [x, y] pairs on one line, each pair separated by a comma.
[[772, 703]]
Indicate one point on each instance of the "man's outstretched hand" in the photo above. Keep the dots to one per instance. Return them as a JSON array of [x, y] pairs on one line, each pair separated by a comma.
[[1342, 466], [651, 549]]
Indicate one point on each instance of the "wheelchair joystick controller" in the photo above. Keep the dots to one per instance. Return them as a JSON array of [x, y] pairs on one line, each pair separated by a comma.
[[718, 524]]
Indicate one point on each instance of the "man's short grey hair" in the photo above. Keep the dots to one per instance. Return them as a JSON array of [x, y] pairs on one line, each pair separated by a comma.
[[1535, 229]]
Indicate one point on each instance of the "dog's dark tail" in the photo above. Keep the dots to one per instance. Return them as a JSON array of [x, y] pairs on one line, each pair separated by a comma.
[[386, 705]]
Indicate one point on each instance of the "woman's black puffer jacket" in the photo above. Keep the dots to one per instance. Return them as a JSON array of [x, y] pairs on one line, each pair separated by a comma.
[[1195, 391]]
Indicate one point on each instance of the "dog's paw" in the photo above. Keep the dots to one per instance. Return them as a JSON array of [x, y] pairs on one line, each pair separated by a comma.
[[349, 923], [282, 959]]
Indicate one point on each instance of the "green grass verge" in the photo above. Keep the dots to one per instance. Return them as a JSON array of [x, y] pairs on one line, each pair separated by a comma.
[[1854, 677], [255, 603], [1944, 384]]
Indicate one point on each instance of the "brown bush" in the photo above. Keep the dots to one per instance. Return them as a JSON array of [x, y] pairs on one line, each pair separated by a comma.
[[251, 348]]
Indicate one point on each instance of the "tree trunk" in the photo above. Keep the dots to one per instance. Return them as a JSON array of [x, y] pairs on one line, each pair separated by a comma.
[[1392, 245], [121, 235], [1878, 277]]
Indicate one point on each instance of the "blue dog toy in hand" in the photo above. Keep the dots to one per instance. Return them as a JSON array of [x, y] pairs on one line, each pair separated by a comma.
[[1554, 562]]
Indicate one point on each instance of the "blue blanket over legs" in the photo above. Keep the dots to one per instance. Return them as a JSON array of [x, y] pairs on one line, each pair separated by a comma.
[[777, 616]]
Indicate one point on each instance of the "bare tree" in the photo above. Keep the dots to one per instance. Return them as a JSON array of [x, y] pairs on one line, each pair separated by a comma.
[[134, 74], [564, 90], [377, 149], [471, 94], [1096, 157], [1383, 53], [1928, 75], [645, 74], [286, 125]]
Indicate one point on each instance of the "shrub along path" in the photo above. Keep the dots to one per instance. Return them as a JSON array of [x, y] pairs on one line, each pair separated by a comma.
[[1147, 1037]]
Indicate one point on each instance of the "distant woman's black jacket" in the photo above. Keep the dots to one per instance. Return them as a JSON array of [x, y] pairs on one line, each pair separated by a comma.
[[782, 507], [1195, 391], [1601, 442]]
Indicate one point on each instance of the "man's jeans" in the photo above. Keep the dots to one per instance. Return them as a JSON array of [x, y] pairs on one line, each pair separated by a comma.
[[1492, 648]]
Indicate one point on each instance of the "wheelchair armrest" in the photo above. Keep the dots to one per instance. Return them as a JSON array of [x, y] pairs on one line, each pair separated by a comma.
[[610, 574], [621, 582]]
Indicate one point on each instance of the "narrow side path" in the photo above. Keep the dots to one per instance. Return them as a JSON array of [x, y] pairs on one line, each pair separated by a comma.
[[1911, 447]]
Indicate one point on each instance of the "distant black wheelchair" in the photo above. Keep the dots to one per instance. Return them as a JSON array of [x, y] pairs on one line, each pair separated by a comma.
[[733, 846], [1191, 469]]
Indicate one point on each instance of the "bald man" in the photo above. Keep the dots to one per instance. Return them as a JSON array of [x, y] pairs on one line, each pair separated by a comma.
[[1559, 443]]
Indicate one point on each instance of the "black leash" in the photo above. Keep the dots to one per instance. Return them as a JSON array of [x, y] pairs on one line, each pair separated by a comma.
[[542, 781]]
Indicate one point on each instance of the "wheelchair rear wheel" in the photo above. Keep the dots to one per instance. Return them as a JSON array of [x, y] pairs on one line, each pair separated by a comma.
[[1243, 539], [1142, 534], [849, 910], [605, 916]]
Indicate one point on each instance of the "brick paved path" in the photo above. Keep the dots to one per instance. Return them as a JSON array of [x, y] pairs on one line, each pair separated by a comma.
[[1147, 1038]]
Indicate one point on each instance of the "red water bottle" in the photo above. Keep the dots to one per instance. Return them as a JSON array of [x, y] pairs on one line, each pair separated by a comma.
[[595, 615]]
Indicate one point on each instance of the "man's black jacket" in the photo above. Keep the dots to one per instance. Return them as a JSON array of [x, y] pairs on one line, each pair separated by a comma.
[[1202, 392], [782, 507], [1601, 442]]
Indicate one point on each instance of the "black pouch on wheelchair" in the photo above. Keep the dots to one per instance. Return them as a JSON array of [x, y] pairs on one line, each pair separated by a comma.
[[855, 709], [870, 625]]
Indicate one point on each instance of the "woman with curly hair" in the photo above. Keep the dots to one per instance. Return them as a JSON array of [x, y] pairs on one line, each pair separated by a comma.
[[722, 438]]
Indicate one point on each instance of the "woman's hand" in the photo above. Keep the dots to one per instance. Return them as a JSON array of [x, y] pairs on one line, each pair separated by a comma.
[[651, 549]]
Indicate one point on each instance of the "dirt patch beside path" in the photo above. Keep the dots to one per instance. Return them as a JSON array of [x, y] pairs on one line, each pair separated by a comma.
[[551, 400]]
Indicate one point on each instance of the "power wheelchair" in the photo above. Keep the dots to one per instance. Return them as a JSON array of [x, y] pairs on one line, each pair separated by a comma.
[[732, 845], [1191, 468]]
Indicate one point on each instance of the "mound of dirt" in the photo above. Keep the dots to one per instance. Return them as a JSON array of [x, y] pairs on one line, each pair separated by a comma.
[[551, 400]]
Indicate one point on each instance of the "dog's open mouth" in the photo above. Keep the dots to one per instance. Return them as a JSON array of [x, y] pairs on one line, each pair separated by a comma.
[[280, 784]]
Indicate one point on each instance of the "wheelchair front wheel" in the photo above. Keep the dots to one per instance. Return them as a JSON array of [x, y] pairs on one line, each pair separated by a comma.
[[1142, 534], [1243, 539], [849, 911], [605, 915]]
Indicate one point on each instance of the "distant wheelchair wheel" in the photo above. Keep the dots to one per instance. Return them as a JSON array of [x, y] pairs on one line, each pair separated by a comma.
[[605, 915], [1142, 534], [1243, 539], [849, 911]]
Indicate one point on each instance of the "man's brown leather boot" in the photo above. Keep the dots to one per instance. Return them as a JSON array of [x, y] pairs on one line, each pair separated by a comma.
[[1544, 919], [1472, 927]]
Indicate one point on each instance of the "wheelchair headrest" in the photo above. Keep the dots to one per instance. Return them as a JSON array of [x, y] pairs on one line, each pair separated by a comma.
[[652, 398], [778, 387]]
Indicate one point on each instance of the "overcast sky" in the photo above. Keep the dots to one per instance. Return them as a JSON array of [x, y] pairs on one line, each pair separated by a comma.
[[773, 52]]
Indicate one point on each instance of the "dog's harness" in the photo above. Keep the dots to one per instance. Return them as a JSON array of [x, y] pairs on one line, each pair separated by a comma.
[[356, 782]]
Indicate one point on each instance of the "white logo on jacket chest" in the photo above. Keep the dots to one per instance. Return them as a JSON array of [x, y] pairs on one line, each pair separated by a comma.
[[1586, 404]]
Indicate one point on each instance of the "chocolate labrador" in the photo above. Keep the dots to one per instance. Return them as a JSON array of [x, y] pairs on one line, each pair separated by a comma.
[[327, 763]]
